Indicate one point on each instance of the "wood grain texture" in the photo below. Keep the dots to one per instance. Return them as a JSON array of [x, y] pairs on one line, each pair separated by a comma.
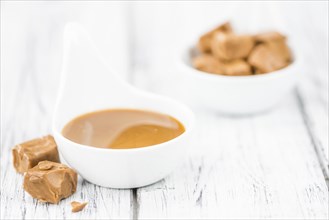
[[28, 97], [251, 167], [271, 165], [312, 94]]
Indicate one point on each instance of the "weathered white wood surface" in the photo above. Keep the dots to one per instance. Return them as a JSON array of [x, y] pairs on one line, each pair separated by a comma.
[[273, 165]]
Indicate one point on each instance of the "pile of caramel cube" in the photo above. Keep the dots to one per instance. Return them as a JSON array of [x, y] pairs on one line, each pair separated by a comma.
[[221, 51]]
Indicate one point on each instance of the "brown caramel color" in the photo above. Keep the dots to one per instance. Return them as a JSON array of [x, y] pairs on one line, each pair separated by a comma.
[[208, 63], [50, 182], [269, 37], [237, 68], [30, 153], [226, 53], [228, 46], [122, 128], [78, 206], [270, 56], [205, 40]]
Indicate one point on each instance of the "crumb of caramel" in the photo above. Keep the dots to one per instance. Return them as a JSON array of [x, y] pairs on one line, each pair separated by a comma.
[[78, 206]]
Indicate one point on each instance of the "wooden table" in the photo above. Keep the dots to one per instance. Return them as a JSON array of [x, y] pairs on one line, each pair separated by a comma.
[[270, 165]]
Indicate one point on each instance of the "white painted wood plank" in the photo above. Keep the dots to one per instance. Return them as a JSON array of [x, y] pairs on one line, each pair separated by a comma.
[[314, 106], [254, 167], [263, 166], [27, 121], [313, 92], [312, 48], [28, 97], [103, 202], [258, 167]]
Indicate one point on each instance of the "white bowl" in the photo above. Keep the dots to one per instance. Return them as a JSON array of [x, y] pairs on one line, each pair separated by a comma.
[[237, 94], [125, 168], [88, 85]]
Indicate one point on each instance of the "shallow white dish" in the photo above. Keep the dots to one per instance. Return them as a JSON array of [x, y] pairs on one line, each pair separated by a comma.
[[89, 85], [237, 94]]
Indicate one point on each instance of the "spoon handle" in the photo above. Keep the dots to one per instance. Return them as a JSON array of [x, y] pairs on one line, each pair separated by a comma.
[[86, 80]]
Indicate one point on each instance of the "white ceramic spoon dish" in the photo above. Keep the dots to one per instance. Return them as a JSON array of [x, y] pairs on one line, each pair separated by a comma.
[[88, 85]]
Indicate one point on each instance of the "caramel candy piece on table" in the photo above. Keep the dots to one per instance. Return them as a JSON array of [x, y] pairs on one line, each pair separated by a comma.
[[205, 40], [30, 153], [269, 37], [50, 182], [78, 206], [208, 63], [270, 56], [228, 46], [237, 68]]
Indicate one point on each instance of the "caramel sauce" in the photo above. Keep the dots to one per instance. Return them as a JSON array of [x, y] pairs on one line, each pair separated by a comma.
[[122, 128]]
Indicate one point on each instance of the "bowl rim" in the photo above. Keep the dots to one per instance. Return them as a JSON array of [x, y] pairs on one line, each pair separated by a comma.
[[184, 64]]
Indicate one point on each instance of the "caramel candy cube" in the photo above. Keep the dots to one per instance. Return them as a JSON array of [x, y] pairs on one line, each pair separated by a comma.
[[50, 182], [269, 37], [30, 153], [237, 68], [205, 40], [78, 206], [208, 63], [227, 46], [270, 56]]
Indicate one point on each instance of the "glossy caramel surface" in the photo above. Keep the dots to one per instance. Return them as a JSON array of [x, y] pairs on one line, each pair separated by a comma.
[[122, 128]]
